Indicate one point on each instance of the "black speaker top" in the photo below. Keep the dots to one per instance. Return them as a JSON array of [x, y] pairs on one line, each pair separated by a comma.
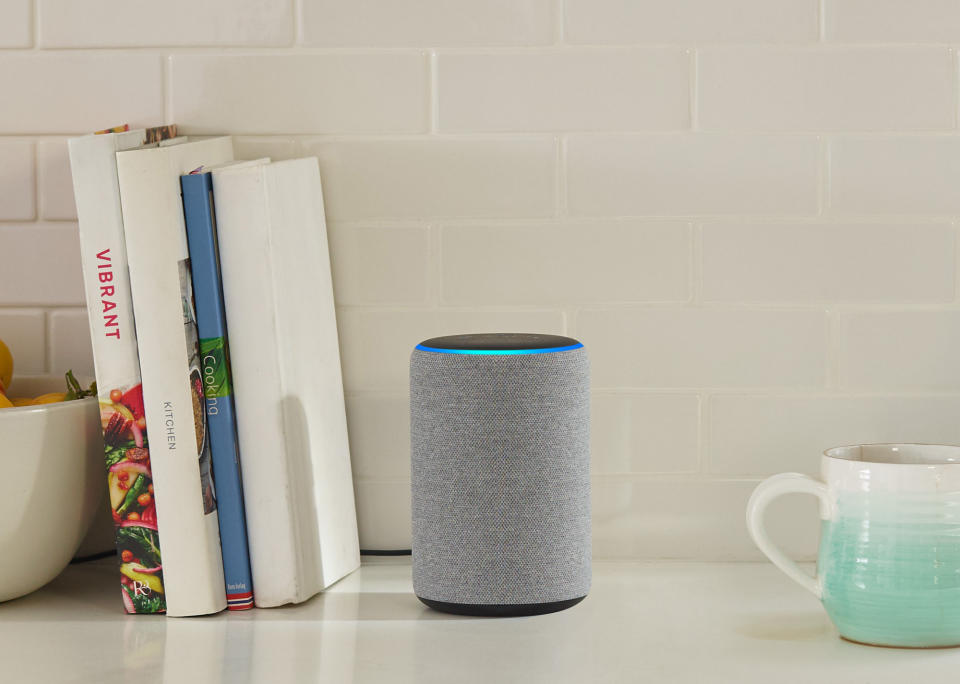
[[505, 343]]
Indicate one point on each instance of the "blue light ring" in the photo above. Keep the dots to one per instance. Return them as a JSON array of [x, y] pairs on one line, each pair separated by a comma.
[[499, 352]]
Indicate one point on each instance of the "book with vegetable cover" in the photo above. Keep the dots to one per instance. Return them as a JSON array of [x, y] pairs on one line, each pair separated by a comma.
[[93, 164], [215, 360], [172, 374]]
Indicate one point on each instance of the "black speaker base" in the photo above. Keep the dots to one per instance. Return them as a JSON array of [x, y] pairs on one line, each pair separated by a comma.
[[501, 609]]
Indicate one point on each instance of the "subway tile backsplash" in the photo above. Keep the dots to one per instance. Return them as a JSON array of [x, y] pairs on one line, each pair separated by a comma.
[[680, 174], [746, 210], [833, 88], [76, 92]]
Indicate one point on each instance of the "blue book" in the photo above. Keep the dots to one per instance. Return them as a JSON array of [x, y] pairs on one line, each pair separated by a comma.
[[198, 211]]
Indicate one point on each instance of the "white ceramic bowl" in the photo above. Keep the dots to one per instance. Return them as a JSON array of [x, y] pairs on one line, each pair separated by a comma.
[[51, 481]]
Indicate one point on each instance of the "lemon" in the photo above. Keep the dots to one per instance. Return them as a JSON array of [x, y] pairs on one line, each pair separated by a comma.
[[22, 401], [4, 402], [148, 579], [50, 398], [6, 367]]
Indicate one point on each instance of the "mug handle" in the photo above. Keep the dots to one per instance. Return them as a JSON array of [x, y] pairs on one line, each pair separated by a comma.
[[767, 491]]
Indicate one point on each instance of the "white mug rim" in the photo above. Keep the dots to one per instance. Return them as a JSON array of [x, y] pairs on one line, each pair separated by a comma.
[[833, 454]]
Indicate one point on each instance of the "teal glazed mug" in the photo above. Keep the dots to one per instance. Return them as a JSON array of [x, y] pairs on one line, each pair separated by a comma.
[[888, 570]]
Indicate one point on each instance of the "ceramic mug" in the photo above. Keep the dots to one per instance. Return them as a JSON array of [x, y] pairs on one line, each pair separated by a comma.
[[888, 569]]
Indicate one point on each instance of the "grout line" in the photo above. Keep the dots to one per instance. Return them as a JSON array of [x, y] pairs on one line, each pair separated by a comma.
[[560, 23], [822, 21], [674, 305], [433, 78], [48, 345], [36, 182], [297, 8], [593, 219], [272, 49], [35, 25]]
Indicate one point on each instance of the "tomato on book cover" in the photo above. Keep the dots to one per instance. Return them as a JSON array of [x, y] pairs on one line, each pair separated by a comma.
[[130, 488]]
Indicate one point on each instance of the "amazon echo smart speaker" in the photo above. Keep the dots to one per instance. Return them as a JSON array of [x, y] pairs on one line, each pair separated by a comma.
[[500, 461]]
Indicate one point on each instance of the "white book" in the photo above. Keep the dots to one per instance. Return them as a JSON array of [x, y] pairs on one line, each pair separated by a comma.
[[93, 163], [291, 422], [170, 368]]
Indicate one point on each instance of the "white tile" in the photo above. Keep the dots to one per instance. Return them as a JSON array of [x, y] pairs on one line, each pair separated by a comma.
[[71, 92], [889, 262], [379, 425], [694, 520], [825, 89], [55, 182], [24, 333], [140, 23], [900, 350], [684, 174], [17, 193], [763, 435], [275, 147], [379, 264], [645, 348], [430, 177], [644, 433], [561, 263], [584, 89], [375, 345], [895, 175], [16, 29], [891, 21], [427, 23], [287, 94], [690, 21], [383, 515], [41, 265], [70, 347]]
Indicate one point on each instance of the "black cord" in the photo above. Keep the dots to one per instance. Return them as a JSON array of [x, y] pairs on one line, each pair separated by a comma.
[[363, 552], [93, 557]]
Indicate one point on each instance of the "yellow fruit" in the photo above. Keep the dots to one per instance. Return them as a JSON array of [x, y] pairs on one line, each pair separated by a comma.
[[148, 579], [6, 367], [50, 398], [4, 402], [22, 401]]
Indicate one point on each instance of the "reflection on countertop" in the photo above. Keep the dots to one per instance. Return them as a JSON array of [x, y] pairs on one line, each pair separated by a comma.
[[650, 622]]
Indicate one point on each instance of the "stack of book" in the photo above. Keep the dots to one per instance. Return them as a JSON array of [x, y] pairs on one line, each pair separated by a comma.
[[215, 346]]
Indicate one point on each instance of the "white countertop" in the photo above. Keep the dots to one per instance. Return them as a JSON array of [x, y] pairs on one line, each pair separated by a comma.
[[649, 622]]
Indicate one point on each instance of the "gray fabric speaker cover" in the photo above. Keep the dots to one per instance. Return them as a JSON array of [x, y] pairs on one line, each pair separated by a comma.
[[500, 476]]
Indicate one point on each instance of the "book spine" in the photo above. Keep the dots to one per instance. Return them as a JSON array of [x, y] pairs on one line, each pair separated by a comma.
[[198, 210], [163, 304], [289, 393], [242, 234], [116, 360]]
